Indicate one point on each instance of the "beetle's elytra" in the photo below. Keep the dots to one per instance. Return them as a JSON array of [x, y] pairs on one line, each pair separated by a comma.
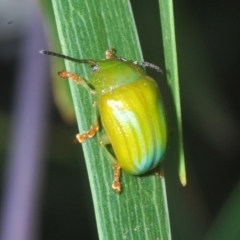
[[131, 112]]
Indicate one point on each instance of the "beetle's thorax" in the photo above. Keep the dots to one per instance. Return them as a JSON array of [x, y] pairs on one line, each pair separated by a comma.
[[112, 73]]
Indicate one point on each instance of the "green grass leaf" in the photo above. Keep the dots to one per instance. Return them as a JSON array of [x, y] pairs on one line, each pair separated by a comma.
[[169, 43], [86, 29]]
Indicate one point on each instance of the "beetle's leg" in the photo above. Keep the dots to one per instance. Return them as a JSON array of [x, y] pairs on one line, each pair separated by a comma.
[[116, 185], [81, 137], [78, 79]]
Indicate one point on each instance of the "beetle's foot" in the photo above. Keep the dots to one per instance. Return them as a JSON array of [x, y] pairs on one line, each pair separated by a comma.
[[116, 185], [73, 76], [81, 137]]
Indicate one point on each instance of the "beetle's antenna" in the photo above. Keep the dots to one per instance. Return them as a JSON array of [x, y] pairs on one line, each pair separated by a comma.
[[144, 64], [150, 65], [92, 62], [111, 53]]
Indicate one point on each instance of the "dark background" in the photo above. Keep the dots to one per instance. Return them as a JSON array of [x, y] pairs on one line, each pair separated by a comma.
[[208, 37]]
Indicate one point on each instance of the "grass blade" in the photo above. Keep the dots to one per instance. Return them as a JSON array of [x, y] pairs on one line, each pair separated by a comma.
[[169, 44], [86, 30]]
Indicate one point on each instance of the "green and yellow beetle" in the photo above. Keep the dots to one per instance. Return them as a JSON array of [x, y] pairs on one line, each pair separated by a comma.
[[131, 112]]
